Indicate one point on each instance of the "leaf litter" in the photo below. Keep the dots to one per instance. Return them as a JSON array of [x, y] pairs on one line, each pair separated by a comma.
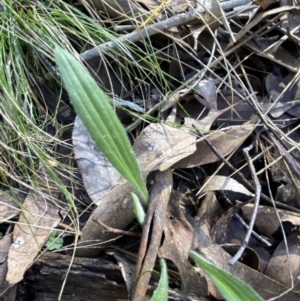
[[233, 82]]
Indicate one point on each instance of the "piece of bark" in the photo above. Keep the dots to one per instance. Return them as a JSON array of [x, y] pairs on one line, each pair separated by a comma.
[[90, 279]]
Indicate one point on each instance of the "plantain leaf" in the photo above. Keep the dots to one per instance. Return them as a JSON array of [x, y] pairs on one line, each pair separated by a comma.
[[161, 292], [95, 110], [232, 288]]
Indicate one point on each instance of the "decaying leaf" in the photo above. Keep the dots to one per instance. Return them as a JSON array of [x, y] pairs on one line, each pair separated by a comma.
[[36, 222], [178, 242], [224, 141], [160, 146], [280, 263], [267, 222]]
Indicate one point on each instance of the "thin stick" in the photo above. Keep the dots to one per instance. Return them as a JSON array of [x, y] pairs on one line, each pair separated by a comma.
[[117, 231], [175, 21], [254, 234], [241, 250]]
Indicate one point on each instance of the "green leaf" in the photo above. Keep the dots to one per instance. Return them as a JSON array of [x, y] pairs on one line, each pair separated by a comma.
[[232, 288], [161, 292], [96, 112], [138, 209], [53, 242]]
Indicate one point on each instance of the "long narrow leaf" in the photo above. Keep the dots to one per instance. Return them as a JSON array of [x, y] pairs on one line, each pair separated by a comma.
[[161, 292], [232, 288], [96, 112]]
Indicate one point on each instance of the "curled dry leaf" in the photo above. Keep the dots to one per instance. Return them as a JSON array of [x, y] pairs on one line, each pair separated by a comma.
[[225, 183]]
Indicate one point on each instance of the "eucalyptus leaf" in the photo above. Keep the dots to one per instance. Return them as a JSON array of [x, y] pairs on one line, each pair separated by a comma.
[[232, 288], [161, 292], [96, 112]]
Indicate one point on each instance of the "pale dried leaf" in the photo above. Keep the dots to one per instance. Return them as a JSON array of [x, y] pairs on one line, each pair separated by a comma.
[[225, 183], [10, 204], [98, 175], [30, 234], [160, 146], [208, 90]]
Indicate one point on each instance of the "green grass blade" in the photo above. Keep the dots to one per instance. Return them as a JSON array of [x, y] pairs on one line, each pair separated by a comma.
[[232, 288], [96, 112], [161, 292]]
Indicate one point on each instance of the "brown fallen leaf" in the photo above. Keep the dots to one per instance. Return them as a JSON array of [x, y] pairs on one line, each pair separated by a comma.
[[178, 241], [266, 220], [36, 222], [225, 141], [229, 230], [160, 146], [279, 264]]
